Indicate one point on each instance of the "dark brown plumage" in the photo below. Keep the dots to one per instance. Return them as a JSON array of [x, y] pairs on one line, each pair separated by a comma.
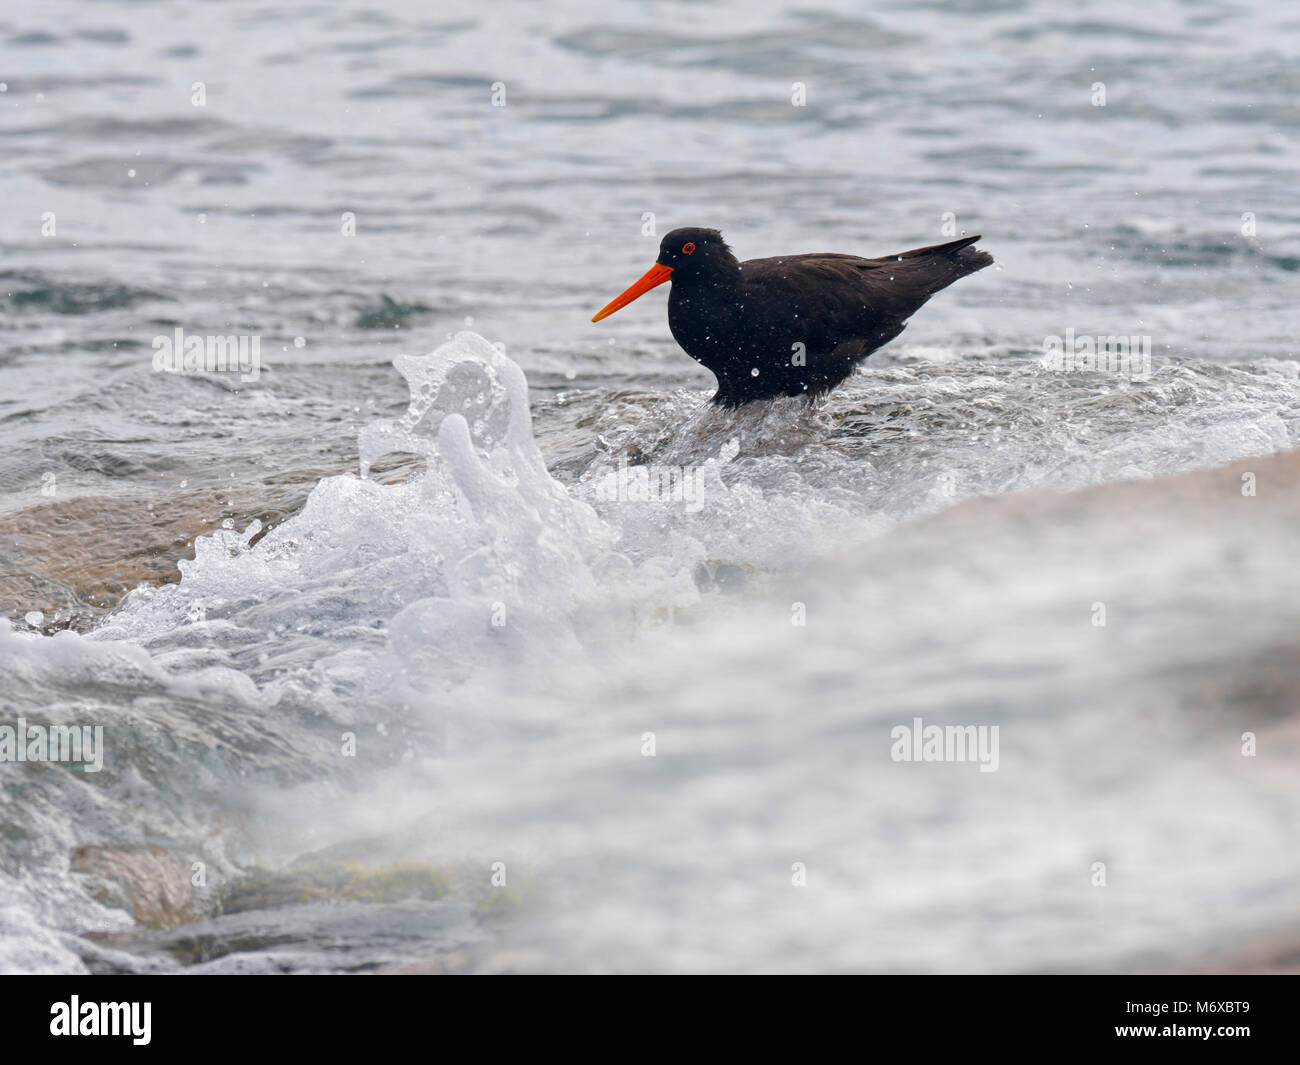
[[795, 324]]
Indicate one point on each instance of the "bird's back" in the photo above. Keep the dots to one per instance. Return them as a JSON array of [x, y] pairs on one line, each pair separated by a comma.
[[851, 293]]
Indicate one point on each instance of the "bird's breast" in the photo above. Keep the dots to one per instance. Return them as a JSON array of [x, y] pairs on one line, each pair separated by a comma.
[[707, 323]]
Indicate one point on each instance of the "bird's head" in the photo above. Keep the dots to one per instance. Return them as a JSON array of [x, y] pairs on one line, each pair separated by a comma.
[[685, 253]]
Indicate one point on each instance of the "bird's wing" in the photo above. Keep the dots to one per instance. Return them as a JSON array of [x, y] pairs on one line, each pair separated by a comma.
[[835, 297]]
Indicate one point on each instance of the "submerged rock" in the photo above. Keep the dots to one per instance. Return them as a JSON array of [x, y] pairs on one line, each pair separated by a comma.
[[150, 883], [324, 882]]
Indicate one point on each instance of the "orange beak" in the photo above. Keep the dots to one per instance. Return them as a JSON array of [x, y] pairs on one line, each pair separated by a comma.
[[656, 275]]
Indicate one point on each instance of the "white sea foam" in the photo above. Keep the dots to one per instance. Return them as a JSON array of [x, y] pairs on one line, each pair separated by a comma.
[[501, 645]]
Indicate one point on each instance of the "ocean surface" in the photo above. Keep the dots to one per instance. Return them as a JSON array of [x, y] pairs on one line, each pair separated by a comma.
[[397, 665]]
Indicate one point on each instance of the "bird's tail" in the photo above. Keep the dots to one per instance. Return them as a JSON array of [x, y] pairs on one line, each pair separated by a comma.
[[945, 263]]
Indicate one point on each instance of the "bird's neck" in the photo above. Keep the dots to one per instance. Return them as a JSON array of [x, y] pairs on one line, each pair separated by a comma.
[[721, 274]]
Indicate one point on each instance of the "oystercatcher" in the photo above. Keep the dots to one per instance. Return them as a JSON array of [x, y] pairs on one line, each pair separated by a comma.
[[795, 324]]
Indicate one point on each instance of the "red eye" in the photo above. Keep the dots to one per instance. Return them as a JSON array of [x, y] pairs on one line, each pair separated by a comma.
[[687, 248]]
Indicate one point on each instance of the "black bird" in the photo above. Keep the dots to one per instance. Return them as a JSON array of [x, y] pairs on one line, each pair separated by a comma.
[[793, 325]]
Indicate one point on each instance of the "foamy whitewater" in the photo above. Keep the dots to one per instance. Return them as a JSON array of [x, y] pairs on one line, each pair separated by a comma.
[[504, 648]]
